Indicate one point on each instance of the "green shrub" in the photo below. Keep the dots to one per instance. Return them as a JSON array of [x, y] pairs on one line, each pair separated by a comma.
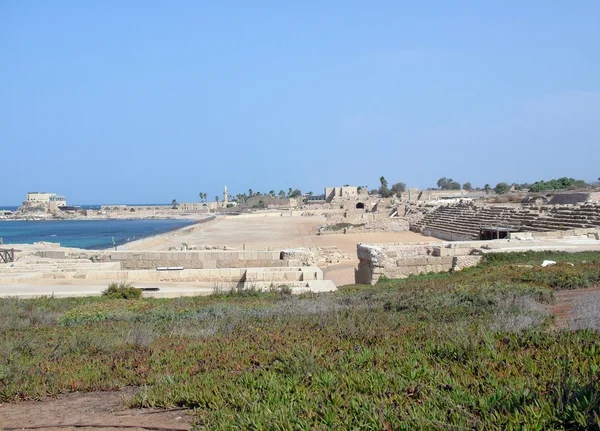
[[122, 290], [342, 226], [557, 184]]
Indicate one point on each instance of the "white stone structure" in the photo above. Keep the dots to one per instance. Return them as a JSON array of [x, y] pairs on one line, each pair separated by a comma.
[[46, 198], [332, 193]]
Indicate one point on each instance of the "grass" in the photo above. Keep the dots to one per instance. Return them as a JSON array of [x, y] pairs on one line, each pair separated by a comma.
[[470, 350]]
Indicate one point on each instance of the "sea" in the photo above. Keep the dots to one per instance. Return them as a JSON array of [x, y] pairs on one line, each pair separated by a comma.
[[87, 234]]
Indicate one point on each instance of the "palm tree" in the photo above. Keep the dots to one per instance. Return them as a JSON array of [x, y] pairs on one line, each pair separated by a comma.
[[174, 203], [272, 193], [201, 194], [487, 189], [250, 192], [281, 194], [205, 197], [216, 199]]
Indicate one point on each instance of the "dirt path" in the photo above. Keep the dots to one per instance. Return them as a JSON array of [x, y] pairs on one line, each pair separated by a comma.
[[573, 307], [96, 408]]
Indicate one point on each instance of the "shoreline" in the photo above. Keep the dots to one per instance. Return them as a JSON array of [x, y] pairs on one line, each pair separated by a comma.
[[191, 226], [154, 239], [194, 222], [186, 216]]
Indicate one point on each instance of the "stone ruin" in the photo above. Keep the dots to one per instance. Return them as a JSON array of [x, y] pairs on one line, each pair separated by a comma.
[[464, 222], [214, 269], [403, 260]]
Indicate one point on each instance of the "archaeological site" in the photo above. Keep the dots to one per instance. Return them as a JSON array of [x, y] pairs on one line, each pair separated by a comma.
[[345, 236]]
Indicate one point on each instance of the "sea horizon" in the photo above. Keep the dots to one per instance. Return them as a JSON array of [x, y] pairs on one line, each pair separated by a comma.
[[90, 206]]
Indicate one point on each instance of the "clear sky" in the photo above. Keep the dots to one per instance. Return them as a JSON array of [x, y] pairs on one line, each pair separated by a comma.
[[127, 101]]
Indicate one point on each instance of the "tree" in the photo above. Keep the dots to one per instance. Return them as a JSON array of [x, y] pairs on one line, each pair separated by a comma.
[[383, 190], [250, 192], [501, 188], [448, 184], [281, 194], [557, 184], [295, 193], [467, 186], [174, 204], [441, 183], [290, 191], [217, 199], [453, 185], [201, 196], [487, 189], [272, 193], [398, 189]]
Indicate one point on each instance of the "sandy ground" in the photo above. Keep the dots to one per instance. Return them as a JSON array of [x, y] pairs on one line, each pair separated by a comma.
[[260, 232], [93, 408]]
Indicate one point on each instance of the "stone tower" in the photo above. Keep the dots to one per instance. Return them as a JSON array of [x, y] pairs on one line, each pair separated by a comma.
[[225, 195]]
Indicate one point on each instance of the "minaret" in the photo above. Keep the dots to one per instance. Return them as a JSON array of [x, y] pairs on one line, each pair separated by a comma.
[[225, 196]]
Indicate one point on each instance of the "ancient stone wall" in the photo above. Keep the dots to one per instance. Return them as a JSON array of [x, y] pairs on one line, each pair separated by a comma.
[[592, 233], [196, 259], [270, 202], [403, 260], [570, 198]]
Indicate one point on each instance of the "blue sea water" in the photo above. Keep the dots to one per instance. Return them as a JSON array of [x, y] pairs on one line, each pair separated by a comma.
[[88, 234]]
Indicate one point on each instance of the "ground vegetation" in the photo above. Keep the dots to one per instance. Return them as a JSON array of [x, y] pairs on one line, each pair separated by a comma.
[[473, 350]]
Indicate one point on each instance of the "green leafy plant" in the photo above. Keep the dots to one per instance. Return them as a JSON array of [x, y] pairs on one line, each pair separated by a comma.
[[122, 290]]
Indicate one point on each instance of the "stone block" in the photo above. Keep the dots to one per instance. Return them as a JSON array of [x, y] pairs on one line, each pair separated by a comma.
[[462, 262]]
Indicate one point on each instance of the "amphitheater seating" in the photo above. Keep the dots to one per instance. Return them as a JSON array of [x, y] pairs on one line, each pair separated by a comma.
[[467, 219]]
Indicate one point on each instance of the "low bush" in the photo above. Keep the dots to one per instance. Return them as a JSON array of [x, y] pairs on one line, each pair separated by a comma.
[[122, 290], [342, 226]]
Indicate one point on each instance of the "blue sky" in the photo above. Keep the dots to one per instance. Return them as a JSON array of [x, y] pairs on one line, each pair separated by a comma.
[[146, 101]]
